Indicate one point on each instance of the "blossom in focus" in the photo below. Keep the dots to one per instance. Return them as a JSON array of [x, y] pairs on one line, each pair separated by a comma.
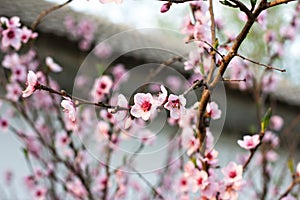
[[213, 110], [31, 84], [143, 106], [52, 65], [249, 142], [176, 106], [233, 172], [69, 108], [200, 181], [162, 97]]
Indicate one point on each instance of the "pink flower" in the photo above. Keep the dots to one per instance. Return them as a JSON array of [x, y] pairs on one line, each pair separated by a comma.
[[101, 87], [200, 180], [165, 7], [69, 108], [12, 37], [176, 105], [103, 50], [76, 188], [52, 65], [14, 91], [62, 139], [162, 97], [213, 110], [249, 142], [13, 22], [233, 172], [18, 73], [189, 141], [276, 122], [31, 84], [143, 106], [3, 125], [27, 34], [269, 82], [40, 193]]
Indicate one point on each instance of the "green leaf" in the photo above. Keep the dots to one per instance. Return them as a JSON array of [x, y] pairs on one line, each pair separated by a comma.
[[253, 3], [100, 69], [290, 165], [25, 152], [266, 119], [227, 3], [202, 69], [216, 43]]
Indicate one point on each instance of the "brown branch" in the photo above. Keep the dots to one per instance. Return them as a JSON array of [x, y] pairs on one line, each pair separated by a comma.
[[261, 64], [79, 101], [242, 8], [289, 189], [46, 12], [278, 2]]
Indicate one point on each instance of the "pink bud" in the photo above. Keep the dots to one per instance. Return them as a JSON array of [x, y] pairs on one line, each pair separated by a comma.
[[165, 7]]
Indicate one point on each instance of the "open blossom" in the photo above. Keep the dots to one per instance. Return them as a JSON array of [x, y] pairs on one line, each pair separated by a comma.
[[249, 142], [200, 180], [52, 65], [233, 172], [176, 105], [12, 37], [162, 97], [40, 193], [143, 106], [213, 110], [69, 108], [14, 91], [101, 87], [31, 84]]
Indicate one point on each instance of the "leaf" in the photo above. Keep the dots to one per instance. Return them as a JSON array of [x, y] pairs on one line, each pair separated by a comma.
[[253, 3], [266, 119], [202, 69], [290, 165], [227, 3], [25, 152]]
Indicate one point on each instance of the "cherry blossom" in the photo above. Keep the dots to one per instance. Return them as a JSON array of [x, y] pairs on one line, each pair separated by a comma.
[[276, 122], [200, 180], [52, 65], [101, 87], [3, 124], [176, 106], [31, 84], [69, 108], [289, 197], [143, 106], [40, 193], [249, 142], [12, 37], [14, 91], [233, 172], [165, 7], [162, 97], [213, 110]]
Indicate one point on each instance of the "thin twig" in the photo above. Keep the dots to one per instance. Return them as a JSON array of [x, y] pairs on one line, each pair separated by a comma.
[[289, 189], [46, 12], [261, 64]]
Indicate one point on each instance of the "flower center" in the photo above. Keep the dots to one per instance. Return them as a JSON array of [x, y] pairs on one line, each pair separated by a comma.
[[232, 174], [103, 85], [146, 106], [11, 34], [176, 103]]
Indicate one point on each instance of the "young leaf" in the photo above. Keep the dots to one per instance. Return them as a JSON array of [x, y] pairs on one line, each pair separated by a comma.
[[266, 120]]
